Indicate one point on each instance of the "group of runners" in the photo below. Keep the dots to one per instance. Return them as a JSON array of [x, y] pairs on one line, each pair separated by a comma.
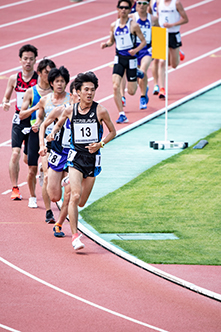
[[131, 33], [66, 128]]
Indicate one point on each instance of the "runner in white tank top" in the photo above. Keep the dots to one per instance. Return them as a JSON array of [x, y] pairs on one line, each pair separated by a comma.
[[171, 15]]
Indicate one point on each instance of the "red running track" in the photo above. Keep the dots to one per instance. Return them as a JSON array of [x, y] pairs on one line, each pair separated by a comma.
[[58, 289]]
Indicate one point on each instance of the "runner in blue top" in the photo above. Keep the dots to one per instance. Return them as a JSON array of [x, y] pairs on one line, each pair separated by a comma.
[[29, 109], [123, 32], [58, 78], [145, 21], [58, 159]]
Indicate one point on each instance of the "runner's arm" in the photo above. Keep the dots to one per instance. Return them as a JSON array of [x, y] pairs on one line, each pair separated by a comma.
[[64, 115], [103, 116], [25, 111], [111, 40], [40, 117], [136, 30], [8, 92]]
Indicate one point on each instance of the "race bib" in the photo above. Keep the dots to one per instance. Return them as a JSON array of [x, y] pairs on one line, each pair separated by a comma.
[[71, 155], [85, 133], [133, 63], [116, 59], [98, 160], [16, 119], [178, 37], [20, 96], [54, 158]]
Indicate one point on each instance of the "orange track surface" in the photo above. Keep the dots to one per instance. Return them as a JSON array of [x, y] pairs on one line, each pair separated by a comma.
[[147, 302]]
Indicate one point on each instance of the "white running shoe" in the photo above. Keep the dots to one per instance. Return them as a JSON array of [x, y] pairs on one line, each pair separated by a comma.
[[65, 181], [32, 203], [41, 174], [77, 244]]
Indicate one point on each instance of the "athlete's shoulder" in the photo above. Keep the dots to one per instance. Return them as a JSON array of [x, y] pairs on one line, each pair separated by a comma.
[[101, 110], [13, 80]]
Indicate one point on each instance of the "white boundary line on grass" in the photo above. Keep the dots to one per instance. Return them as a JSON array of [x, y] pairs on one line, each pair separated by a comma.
[[133, 259]]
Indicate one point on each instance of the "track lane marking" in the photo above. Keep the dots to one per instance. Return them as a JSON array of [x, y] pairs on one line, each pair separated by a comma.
[[59, 30], [14, 4], [204, 26], [78, 24], [7, 327], [150, 79], [78, 298], [45, 13]]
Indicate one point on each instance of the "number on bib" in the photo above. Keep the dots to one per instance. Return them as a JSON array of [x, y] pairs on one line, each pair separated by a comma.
[[54, 158]]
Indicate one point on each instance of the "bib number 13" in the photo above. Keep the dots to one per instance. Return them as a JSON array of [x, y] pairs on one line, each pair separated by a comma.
[[85, 133]]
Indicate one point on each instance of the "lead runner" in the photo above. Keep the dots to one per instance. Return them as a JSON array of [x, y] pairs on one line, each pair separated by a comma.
[[84, 159]]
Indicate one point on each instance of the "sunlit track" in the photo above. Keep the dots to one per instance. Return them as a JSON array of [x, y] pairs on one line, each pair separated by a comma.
[[45, 14], [80, 23], [149, 79], [68, 7], [94, 290], [15, 4], [79, 298], [56, 31], [204, 26]]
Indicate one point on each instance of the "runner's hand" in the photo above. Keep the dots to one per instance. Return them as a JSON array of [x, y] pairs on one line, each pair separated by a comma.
[[43, 151]]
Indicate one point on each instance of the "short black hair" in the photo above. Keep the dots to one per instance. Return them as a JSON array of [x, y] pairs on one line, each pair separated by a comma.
[[128, 1], [85, 77], [72, 87], [44, 63], [55, 72], [28, 48]]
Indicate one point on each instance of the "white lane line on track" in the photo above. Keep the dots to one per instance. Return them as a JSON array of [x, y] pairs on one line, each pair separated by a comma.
[[77, 24], [45, 283], [67, 7], [14, 4], [150, 79], [201, 27], [204, 26], [6, 327], [198, 4], [7, 142], [59, 30], [61, 53], [45, 13]]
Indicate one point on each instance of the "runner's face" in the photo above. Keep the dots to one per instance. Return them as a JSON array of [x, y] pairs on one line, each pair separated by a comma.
[[87, 92], [27, 61], [142, 6], [44, 74], [59, 85], [123, 12]]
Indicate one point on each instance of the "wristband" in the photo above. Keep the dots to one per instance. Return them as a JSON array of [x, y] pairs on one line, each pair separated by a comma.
[[102, 144], [106, 45]]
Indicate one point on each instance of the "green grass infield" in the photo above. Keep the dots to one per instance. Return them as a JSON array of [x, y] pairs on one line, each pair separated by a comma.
[[180, 195]]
